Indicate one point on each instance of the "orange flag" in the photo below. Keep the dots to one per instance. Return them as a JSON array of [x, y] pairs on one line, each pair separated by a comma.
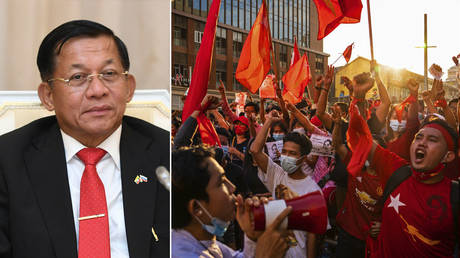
[[347, 53], [267, 90], [295, 80], [295, 53], [254, 61], [331, 13]]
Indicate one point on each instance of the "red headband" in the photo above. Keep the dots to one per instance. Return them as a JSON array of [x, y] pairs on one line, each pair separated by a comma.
[[445, 134]]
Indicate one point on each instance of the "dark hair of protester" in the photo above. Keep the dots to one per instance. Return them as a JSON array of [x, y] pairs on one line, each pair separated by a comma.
[[343, 106], [436, 120], [53, 42], [300, 139], [454, 100], [176, 122], [190, 178], [224, 132], [281, 125], [273, 107], [252, 104]]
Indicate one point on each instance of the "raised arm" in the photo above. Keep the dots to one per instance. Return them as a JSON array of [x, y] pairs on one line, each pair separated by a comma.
[[384, 107], [220, 119], [412, 114], [282, 105], [337, 140], [258, 145], [303, 120], [321, 113], [225, 107], [262, 110]]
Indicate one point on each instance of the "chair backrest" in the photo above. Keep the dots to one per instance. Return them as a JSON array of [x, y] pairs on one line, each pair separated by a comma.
[[18, 108]]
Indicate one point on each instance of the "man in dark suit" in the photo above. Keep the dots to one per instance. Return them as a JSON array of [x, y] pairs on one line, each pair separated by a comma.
[[56, 198]]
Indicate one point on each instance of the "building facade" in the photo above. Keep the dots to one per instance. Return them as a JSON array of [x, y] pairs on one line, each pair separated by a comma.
[[287, 18]]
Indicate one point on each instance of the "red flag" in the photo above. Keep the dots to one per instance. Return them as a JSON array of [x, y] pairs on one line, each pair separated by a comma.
[[295, 80], [400, 107], [254, 61], [200, 77], [295, 53], [331, 13], [347, 53]]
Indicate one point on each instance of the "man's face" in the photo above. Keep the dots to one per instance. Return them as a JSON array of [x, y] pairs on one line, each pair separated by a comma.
[[428, 149], [90, 113], [291, 149], [220, 190], [250, 110]]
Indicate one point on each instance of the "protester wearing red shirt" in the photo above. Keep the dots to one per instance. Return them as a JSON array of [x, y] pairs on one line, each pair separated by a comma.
[[417, 217]]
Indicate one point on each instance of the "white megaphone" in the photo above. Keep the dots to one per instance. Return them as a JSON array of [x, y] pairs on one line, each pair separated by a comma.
[[309, 213]]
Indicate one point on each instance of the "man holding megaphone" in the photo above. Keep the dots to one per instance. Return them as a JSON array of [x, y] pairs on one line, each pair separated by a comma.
[[296, 147]]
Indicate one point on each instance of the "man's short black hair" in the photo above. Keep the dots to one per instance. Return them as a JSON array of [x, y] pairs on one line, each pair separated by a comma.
[[252, 104], [454, 100], [300, 139], [343, 106], [53, 42], [190, 178], [436, 120]]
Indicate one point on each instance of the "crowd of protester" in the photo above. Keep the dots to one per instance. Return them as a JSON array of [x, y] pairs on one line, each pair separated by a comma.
[[388, 172]]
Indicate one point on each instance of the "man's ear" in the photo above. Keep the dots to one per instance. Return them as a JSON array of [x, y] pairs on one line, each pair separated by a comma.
[[449, 157], [131, 84], [45, 93], [193, 208]]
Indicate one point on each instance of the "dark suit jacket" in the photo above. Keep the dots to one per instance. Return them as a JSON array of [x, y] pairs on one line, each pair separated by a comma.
[[36, 218]]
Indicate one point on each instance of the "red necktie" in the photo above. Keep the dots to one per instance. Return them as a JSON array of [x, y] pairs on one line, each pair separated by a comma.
[[94, 238]]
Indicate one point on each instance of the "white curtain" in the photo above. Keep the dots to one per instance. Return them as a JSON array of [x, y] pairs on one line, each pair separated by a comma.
[[144, 26]]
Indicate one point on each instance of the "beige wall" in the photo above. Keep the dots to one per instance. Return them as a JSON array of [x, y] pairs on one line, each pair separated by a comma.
[[144, 26]]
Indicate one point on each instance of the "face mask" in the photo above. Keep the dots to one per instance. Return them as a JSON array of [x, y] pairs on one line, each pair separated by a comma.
[[218, 227], [278, 136], [289, 164], [225, 150], [420, 116], [240, 129], [397, 126], [300, 130]]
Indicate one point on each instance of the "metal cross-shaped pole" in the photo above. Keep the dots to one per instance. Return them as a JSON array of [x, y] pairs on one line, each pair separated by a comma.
[[425, 47]]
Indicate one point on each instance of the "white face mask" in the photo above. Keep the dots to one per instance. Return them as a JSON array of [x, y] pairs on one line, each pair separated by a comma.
[[397, 126], [289, 164], [300, 130]]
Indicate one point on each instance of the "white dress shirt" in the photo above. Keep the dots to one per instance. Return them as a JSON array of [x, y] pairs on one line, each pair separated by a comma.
[[108, 170]]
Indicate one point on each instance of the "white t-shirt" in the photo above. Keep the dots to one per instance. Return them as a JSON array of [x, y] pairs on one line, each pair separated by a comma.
[[276, 175]]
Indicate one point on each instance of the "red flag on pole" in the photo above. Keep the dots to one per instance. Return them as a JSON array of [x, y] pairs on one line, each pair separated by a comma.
[[295, 53], [296, 79], [331, 13], [200, 77], [254, 61], [347, 53]]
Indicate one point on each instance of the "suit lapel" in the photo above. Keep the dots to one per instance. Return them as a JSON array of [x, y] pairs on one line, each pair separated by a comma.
[[47, 170], [137, 158]]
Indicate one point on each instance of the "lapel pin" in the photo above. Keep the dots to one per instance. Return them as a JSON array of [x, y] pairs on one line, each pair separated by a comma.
[[140, 179]]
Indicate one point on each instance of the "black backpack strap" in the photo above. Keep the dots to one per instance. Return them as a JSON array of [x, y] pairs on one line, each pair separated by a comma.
[[395, 179], [454, 200]]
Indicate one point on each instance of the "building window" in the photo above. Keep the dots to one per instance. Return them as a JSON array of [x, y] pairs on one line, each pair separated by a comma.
[[221, 72], [237, 86], [198, 34], [204, 8], [179, 4], [228, 11], [180, 31], [319, 67], [221, 41], [222, 11], [180, 69], [283, 56], [235, 13], [237, 44]]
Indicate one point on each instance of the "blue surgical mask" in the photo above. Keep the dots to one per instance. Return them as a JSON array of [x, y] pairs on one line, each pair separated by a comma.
[[218, 227], [289, 164], [278, 136], [397, 126], [225, 150]]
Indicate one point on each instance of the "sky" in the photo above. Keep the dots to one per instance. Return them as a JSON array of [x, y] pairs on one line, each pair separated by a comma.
[[398, 28]]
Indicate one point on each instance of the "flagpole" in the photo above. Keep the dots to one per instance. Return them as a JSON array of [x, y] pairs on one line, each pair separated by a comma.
[[337, 59], [370, 29], [272, 51]]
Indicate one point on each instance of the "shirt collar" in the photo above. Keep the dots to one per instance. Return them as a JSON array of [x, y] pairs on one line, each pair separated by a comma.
[[111, 145]]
